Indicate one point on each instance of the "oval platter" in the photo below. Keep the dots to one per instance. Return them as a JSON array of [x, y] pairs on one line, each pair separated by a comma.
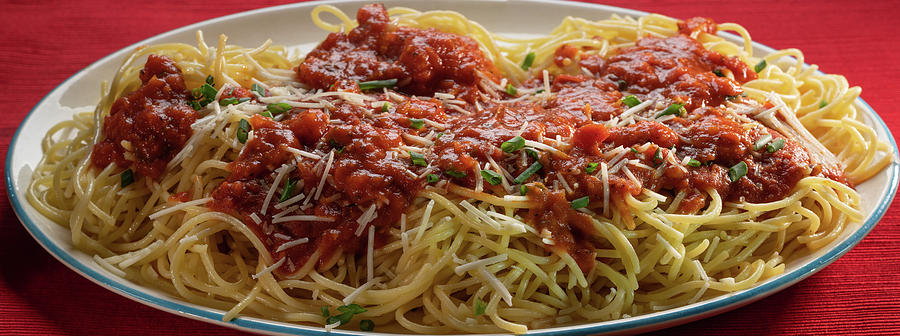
[[282, 25]]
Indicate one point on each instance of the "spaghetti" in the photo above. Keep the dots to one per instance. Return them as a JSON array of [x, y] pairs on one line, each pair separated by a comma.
[[407, 178]]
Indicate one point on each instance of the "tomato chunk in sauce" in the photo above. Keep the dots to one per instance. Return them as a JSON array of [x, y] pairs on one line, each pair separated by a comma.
[[146, 128]]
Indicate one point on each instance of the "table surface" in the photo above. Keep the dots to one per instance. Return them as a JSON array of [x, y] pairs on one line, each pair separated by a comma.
[[44, 42]]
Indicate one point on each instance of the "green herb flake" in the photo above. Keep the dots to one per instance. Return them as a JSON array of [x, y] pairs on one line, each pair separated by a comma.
[[325, 312], [591, 167], [418, 159], [432, 178], [760, 66], [337, 146], [737, 171], [208, 91], [258, 90], [366, 325], [694, 163], [377, 84], [278, 108], [528, 61], [823, 104], [455, 173], [762, 141], [581, 202], [346, 315], [491, 177], [523, 190], [210, 80], [532, 153], [676, 109], [480, 307], [243, 130], [439, 135], [127, 178], [774, 146], [228, 101], [288, 190], [513, 144], [718, 72], [528, 172], [633, 150], [386, 107], [657, 157], [267, 114], [631, 101], [511, 90], [416, 123]]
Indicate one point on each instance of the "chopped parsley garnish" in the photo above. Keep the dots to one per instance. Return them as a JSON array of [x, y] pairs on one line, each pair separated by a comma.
[[267, 114], [762, 141], [432, 178], [480, 306], [418, 159], [591, 167], [718, 72], [204, 94], [258, 90], [774, 146], [523, 190], [633, 150], [366, 325], [528, 172], [288, 189], [737, 171], [127, 177], [416, 123], [377, 84], [346, 315], [228, 101], [581, 202], [243, 130], [528, 61], [337, 146], [511, 90], [694, 163], [491, 177], [657, 157], [325, 312], [760, 66], [631, 101], [676, 109], [823, 104], [278, 108], [386, 107], [439, 135], [512, 145], [455, 173]]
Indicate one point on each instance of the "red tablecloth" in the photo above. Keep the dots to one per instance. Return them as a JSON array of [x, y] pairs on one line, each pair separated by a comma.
[[44, 42]]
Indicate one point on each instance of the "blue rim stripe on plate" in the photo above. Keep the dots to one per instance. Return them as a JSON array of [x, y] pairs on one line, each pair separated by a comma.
[[671, 317]]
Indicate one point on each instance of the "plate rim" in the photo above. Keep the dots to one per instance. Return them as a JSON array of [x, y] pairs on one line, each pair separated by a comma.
[[653, 321]]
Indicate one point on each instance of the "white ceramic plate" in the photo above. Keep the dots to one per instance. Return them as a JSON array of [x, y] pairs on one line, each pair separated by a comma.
[[289, 25]]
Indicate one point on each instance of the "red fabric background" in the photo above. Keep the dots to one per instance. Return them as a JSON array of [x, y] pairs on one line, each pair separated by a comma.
[[44, 42]]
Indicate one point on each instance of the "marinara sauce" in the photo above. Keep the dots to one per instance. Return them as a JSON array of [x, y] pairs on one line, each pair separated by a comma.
[[690, 152]]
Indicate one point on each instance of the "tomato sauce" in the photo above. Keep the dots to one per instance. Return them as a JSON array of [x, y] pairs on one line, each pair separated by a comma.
[[146, 128], [378, 158]]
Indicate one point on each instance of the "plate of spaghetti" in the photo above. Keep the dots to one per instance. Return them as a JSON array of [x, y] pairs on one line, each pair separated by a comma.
[[349, 167]]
